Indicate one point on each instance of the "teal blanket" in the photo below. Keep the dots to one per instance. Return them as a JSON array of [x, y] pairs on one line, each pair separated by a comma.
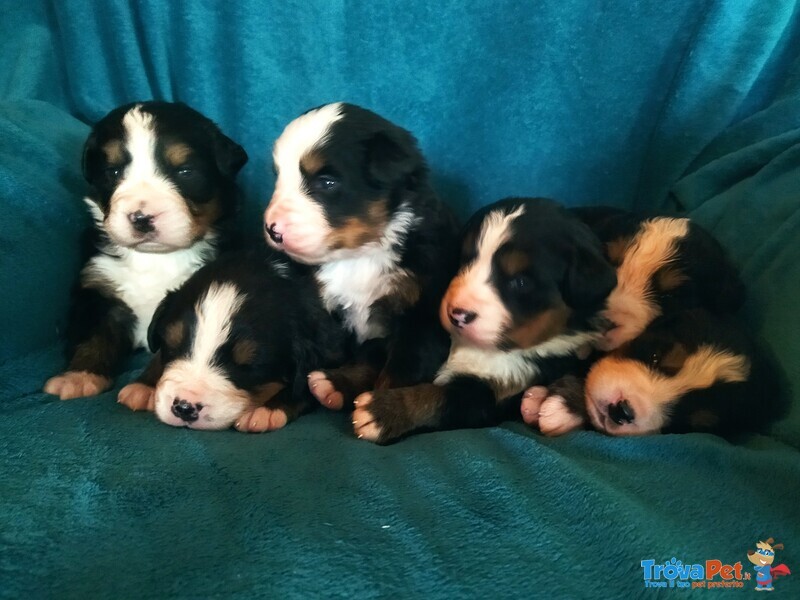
[[645, 104]]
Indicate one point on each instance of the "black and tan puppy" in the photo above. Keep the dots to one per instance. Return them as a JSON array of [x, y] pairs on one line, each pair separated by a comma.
[[523, 309], [353, 200], [162, 189], [687, 371], [664, 264], [234, 343]]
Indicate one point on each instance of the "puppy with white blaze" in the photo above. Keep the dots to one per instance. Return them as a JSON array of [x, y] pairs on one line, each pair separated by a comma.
[[354, 201], [687, 371], [162, 197], [664, 264], [523, 309], [233, 344]]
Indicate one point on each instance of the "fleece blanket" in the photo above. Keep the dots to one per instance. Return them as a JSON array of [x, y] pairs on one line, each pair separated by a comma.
[[692, 106]]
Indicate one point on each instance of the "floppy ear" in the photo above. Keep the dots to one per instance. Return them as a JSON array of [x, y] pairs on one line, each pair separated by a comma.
[[154, 329], [89, 151], [229, 155], [777, 546], [391, 156], [589, 278]]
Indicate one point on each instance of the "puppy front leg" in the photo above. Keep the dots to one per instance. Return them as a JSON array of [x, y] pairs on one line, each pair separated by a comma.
[[141, 394], [556, 409], [99, 339], [385, 416]]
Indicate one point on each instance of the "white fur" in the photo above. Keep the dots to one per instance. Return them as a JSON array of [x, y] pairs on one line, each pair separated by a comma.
[[472, 289], [142, 279], [354, 279], [144, 188], [301, 220], [509, 372], [197, 379]]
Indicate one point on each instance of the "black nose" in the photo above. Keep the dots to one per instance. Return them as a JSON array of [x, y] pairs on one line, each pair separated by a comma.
[[621, 412], [141, 222], [460, 317], [185, 410], [273, 234]]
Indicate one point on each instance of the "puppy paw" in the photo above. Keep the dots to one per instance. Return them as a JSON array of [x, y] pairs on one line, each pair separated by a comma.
[[555, 417], [261, 419], [138, 396], [531, 404], [323, 389], [76, 384], [384, 416]]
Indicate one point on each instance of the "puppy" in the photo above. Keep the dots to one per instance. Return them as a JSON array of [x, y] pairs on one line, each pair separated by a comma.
[[664, 264], [353, 200], [162, 189], [688, 371], [523, 309], [234, 343]]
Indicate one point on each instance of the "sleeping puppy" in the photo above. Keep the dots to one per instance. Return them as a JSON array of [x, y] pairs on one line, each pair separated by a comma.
[[233, 345], [664, 264], [688, 371], [523, 309], [353, 200], [162, 189]]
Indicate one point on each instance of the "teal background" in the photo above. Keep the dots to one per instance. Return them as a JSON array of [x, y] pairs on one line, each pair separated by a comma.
[[645, 104]]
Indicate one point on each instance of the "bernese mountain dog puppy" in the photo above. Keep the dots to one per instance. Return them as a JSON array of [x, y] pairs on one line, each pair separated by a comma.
[[234, 343], [353, 199], [687, 371], [523, 309], [664, 264], [162, 190]]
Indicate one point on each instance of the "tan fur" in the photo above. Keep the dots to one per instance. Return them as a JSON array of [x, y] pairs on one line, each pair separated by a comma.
[[649, 392], [176, 154], [173, 334], [114, 151], [514, 262], [668, 278], [203, 217], [357, 232], [629, 305], [311, 162], [244, 351], [615, 250], [539, 328]]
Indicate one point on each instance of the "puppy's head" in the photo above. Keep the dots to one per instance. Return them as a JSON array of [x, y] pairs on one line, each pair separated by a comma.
[[219, 353], [346, 179], [530, 271], [161, 175], [636, 389], [668, 265]]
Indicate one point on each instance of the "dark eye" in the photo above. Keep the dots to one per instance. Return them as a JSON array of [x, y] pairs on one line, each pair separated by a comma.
[[184, 171], [520, 283], [114, 173], [325, 182]]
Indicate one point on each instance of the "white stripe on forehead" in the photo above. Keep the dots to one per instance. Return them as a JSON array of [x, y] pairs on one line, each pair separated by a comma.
[[299, 137], [140, 141], [495, 231], [215, 312]]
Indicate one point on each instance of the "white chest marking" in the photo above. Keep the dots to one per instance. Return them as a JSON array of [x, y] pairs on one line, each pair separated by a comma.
[[142, 279], [354, 282], [511, 372]]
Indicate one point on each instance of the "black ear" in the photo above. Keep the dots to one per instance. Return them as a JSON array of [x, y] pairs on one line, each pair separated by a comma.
[[391, 156], [154, 329], [89, 152], [589, 278], [229, 155]]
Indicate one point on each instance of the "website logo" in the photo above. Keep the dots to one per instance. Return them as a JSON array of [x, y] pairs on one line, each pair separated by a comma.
[[762, 558]]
